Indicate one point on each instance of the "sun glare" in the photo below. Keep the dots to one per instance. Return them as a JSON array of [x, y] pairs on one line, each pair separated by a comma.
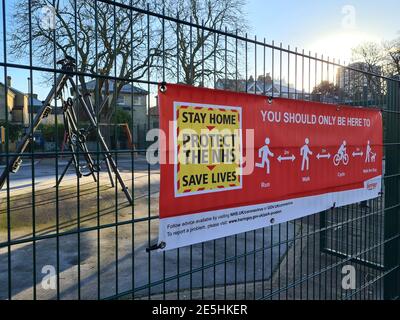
[[338, 46]]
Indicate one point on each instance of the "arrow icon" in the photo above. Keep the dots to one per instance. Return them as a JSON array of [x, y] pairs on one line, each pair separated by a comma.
[[355, 154], [319, 156], [292, 157]]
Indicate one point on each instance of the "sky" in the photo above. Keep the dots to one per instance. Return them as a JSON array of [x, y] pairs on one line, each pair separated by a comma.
[[329, 27]]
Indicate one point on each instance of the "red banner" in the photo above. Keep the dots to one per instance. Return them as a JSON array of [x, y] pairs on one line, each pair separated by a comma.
[[235, 162]]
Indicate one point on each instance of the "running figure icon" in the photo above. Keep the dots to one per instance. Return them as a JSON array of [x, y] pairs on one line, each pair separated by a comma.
[[304, 152], [341, 155], [264, 153]]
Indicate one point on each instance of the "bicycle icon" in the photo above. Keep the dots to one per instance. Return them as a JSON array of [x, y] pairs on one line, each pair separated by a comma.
[[341, 155], [344, 158]]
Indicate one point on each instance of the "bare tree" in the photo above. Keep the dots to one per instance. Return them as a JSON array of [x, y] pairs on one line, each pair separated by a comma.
[[200, 54], [392, 51], [327, 91], [108, 40], [370, 53], [327, 88], [368, 57]]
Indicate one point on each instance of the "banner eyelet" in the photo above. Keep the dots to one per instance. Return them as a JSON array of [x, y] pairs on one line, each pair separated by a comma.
[[163, 87]]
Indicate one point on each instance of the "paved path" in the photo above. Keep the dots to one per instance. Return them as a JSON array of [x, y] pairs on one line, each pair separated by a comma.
[[115, 257]]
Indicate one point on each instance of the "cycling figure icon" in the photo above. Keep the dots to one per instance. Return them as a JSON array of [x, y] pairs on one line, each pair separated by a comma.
[[341, 155]]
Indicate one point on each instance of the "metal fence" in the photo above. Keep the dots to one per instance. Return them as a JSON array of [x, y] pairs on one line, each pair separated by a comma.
[[83, 239]]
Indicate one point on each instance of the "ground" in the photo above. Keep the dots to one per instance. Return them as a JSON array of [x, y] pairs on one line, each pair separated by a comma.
[[108, 253], [108, 257]]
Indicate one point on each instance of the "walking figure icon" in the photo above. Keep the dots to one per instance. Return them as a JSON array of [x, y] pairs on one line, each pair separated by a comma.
[[305, 152]]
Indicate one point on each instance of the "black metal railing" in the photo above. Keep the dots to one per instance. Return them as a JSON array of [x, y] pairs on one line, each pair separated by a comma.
[[82, 238]]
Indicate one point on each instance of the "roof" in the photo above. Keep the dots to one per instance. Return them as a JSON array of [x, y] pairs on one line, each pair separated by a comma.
[[15, 91], [241, 86], [54, 110], [127, 88], [34, 102]]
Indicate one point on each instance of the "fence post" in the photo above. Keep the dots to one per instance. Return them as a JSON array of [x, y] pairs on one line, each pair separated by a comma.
[[2, 141], [392, 193], [2, 135]]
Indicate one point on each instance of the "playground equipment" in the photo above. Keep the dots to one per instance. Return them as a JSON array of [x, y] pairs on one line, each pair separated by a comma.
[[75, 136]]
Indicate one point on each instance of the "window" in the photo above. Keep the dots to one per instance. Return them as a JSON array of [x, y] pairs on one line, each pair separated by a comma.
[[121, 100], [137, 100], [128, 100]]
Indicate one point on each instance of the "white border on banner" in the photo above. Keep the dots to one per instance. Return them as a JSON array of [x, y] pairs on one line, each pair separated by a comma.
[[257, 216]]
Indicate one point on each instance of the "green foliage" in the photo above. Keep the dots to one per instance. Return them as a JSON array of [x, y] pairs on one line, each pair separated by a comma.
[[121, 116], [327, 88], [14, 131], [51, 132]]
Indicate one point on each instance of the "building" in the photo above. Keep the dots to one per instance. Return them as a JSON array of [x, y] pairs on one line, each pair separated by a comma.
[[130, 99], [17, 104], [34, 107], [154, 117], [21, 107], [263, 87], [362, 84]]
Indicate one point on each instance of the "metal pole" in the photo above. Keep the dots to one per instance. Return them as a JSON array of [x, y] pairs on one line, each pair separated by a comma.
[[13, 164], [102, 142], [392, 197]]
